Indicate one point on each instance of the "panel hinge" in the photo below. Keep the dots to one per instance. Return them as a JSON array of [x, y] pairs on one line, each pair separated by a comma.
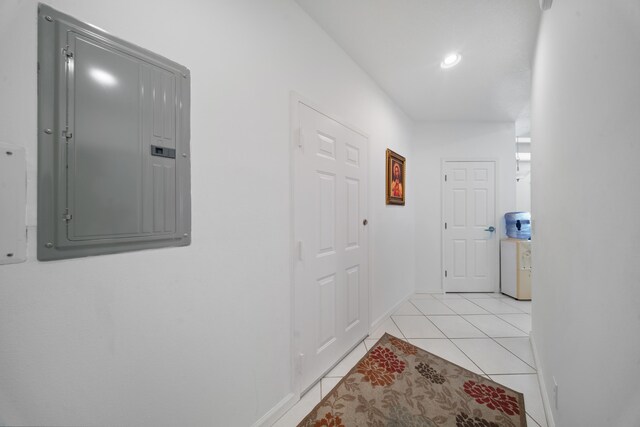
[[445, 225], [67, 133], [299, 137], [299, 250], [66, 216], [445, 178], [67, 53], [445, 273], [300, 362]]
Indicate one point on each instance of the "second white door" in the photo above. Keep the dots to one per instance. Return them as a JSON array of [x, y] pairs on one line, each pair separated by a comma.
[[470, 234], [330, 234]]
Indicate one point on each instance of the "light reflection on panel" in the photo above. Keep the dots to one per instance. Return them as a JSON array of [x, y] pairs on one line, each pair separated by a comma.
[[459, 258], [480, 209], [169, 106], [164, 110], [353, 214], [104, 156], [459, 207], [158, 99], [353, 296], [326, 312], [480, 256], [327, 212]]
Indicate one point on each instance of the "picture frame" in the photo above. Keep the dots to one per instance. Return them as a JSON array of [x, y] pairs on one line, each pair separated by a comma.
[[395, 183]]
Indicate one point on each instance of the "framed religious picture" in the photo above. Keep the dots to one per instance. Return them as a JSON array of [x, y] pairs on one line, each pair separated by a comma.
[[395, 183]]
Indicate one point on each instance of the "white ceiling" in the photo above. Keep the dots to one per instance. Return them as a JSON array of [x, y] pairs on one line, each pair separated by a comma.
[[400, 43]]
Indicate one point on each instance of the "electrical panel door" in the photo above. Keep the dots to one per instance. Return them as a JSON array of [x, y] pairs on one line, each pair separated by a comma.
[[113, 143]]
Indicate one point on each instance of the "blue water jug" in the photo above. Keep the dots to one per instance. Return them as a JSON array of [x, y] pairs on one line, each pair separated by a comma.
[[518, 224]]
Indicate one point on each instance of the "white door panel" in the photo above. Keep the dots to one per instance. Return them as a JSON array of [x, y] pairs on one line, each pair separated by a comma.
[[331, 273], [470, 251]]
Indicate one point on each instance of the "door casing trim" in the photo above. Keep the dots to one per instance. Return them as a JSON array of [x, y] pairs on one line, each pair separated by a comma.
[[443, 163], [294, 100]]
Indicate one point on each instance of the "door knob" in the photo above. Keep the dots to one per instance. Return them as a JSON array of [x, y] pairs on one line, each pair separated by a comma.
[[365, 222], [491, 229]]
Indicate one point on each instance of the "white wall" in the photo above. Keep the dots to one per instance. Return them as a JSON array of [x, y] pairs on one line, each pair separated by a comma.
[[586, 242], [523, 187], [196, 335], [458, 140]]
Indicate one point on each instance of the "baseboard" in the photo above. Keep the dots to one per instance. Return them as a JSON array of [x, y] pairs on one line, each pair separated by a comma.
[[380, 320], [429, 291], [289, 400], [277, 411], [543, 387]]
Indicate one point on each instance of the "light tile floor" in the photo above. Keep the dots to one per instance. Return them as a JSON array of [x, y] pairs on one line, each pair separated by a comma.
[[487, 333]]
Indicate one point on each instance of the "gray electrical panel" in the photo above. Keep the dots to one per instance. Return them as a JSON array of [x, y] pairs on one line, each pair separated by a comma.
[[113, 143]]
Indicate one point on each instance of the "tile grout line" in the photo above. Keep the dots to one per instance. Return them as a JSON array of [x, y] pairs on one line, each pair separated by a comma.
[[461, 351], [525, 411], [398, 327], [321, 387], [454, 344], [482, 332], [535, 368], [494, 340], [489, 312], [515, 326], [451, 341], [479, 305], [497, 299], [498, 317], [465, 299], [467, 356], [517, 357], [508, 300]]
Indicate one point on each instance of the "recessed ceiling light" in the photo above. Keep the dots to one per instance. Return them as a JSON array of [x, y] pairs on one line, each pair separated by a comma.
[[451, 60]]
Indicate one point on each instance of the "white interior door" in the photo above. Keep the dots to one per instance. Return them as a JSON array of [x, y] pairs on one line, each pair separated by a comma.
[[470, 235], [330, 234]]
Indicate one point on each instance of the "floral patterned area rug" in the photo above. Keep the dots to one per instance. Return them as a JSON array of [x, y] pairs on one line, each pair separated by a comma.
[[398, 384]]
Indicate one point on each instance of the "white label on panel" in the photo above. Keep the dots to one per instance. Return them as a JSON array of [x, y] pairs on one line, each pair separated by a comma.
[[459, 258], [170, 198], [326, 146], [460, 208], [158, 198], [353, 216], [353, 296], [480, 207], [327, 213], [326, 311], [12, 204]]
